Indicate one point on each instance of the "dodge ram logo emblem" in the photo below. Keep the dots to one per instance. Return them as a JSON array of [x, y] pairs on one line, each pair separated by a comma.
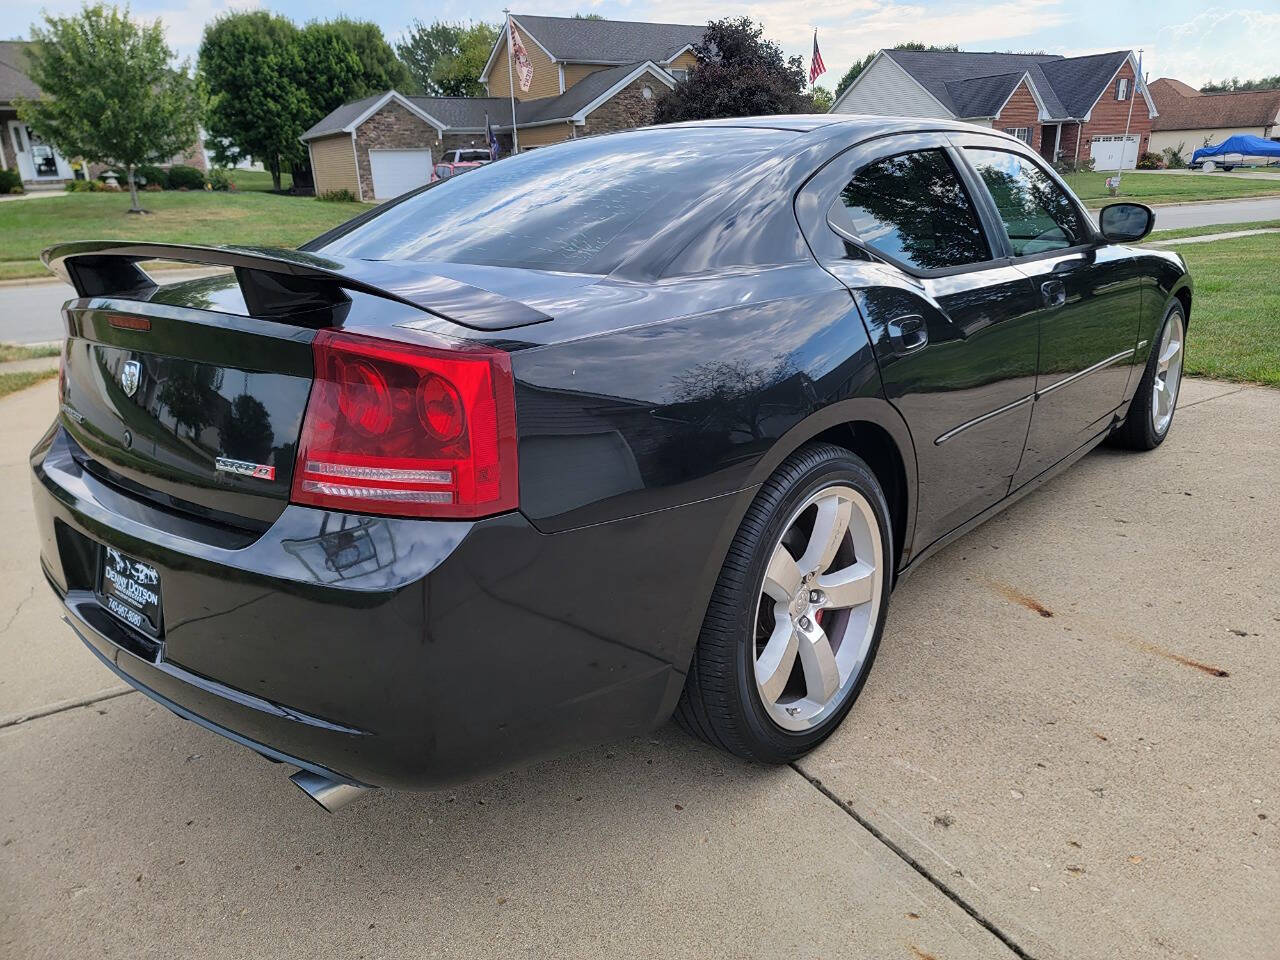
[[130, 373]]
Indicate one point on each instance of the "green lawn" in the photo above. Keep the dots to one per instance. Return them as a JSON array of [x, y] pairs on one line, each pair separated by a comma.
[[28, 226], [1218, 228], [258, 180], [1166, 188], [14, 351], [1235, 310], [12, 382]]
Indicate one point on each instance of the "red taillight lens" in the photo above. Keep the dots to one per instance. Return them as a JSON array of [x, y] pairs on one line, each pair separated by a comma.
[[408, 430]]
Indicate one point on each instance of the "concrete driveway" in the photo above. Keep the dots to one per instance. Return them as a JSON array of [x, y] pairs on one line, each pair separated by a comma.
[[1067, 750]]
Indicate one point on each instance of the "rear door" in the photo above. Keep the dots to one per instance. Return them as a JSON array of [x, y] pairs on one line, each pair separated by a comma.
[[953, 321], [1090, 299]]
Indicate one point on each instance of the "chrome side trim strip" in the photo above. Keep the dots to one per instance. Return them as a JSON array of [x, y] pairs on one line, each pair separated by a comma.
[[985, 417], [1123, 354]]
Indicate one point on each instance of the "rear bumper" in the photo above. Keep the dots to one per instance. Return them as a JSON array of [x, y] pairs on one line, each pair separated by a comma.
[[389, 652]]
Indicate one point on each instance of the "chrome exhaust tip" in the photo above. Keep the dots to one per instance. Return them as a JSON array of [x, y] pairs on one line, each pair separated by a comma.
[[333, 795]]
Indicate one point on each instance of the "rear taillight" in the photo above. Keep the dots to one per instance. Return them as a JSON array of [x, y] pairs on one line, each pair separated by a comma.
[[408, 430]]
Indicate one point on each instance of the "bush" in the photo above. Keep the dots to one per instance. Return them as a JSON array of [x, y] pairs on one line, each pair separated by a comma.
[[153, 188], [1150, 161], [10, 181], [184, 178], [1173, 158], [337, 196], [220, 179], [1071, 165], [146, 175], [84, 186]]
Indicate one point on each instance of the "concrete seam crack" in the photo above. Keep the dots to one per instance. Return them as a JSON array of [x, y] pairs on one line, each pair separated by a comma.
[[62, 706], [918, 867]]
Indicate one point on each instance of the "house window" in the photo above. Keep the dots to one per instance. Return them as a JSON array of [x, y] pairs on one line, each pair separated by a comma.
[[1122, 88], [1022, 133], [678, 74]]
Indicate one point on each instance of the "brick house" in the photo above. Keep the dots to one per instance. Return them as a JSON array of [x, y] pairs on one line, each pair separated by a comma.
[[1065, 108], [40, 165], [1190, 119], [589, 76]]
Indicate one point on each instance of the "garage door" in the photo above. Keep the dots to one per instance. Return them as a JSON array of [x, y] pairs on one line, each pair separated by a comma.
[[398, 171], [1114, 153]]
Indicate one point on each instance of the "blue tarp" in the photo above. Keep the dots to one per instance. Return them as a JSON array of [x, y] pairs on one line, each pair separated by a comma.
[[1241, 143]]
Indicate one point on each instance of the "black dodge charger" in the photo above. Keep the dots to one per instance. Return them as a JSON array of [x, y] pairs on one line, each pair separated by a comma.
[[633, 426]]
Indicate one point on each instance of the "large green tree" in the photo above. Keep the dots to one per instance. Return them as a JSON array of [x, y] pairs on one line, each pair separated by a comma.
[[739, 74], [858, 66], [268, 81], [108, 92], [446, 59], [1235, 84], [251, 67]]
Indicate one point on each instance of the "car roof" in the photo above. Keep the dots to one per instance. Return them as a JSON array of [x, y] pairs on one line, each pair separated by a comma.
[[861, 125]]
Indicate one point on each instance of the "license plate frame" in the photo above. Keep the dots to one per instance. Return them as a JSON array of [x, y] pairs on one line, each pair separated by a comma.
[[129, 589]]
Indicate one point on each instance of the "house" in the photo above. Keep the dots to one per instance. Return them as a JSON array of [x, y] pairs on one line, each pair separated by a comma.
[[1065, 108], [589, 76], [21, 149], [1190, 119]]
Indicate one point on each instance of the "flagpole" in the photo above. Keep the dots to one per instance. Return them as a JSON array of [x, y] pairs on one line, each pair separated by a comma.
[[511, 85], [1133, 94]]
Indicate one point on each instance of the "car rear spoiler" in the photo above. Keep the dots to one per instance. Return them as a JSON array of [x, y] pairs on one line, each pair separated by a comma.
[[283, 284]]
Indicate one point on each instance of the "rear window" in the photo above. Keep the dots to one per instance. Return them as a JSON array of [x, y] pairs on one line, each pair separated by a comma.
[[578, 207], [470, 156]]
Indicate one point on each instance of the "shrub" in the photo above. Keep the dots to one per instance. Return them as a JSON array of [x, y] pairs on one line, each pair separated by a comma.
[[153, 188], [337, 196], [1150, 161], [1071, 165], [220, 179], [146, 175], [10, 181], [1173, 158], [184, 178], [84, 186]]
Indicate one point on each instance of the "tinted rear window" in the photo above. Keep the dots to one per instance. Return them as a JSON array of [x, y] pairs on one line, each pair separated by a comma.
[[579, 207]]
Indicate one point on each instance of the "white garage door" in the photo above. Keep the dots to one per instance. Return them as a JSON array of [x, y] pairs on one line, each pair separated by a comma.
[[398, 171], [1114, 153]]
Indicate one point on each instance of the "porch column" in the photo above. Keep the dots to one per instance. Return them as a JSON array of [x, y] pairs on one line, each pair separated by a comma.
[[1057, 140]]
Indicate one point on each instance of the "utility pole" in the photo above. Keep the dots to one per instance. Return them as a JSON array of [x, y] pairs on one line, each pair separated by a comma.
[[1133, 94]]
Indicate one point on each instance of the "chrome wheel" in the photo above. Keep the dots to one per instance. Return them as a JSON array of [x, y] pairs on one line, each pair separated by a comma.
[[818, 607], [1168, 376]]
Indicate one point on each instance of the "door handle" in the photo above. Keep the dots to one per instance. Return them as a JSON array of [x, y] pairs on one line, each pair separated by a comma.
[[908, 333], [1054, 293]]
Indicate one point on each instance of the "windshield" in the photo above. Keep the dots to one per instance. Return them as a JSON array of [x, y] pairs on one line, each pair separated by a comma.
[[577, 207]]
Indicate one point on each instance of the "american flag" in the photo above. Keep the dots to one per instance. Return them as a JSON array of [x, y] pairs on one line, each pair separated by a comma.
[[816, 67]]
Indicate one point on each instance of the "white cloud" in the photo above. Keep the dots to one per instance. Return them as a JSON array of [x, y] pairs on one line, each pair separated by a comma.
[[1217, 44], [851, 29]]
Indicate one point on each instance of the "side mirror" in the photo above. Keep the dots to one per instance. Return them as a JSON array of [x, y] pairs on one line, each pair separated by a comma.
[[1126, 222]]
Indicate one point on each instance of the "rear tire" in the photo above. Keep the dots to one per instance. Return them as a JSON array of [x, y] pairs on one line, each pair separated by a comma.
[[1150, 415], [796, 615]]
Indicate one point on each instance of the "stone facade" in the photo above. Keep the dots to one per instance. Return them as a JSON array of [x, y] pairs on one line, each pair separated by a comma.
[[628, 108], [391, 128]]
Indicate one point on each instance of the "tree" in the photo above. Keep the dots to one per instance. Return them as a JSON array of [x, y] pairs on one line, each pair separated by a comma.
[[858, 66], [822, 99], [379, 68], [446, 59], [1235, 84], [739, 74], [251, 66], [108, 94]]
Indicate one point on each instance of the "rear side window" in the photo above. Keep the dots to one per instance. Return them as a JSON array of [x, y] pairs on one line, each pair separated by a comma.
[[1036, 212], [914, 209], [576, 207]]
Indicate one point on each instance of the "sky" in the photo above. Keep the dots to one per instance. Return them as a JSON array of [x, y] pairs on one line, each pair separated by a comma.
[[1188, 40]]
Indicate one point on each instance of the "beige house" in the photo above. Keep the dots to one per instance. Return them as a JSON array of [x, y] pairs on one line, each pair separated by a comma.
[[1190, 119], [589, 76]]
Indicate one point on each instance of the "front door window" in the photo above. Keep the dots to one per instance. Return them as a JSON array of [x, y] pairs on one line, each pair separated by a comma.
[[42, 156]]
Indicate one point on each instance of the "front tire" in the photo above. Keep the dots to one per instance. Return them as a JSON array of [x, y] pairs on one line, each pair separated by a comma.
[[1151, 411], [796, 616]]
